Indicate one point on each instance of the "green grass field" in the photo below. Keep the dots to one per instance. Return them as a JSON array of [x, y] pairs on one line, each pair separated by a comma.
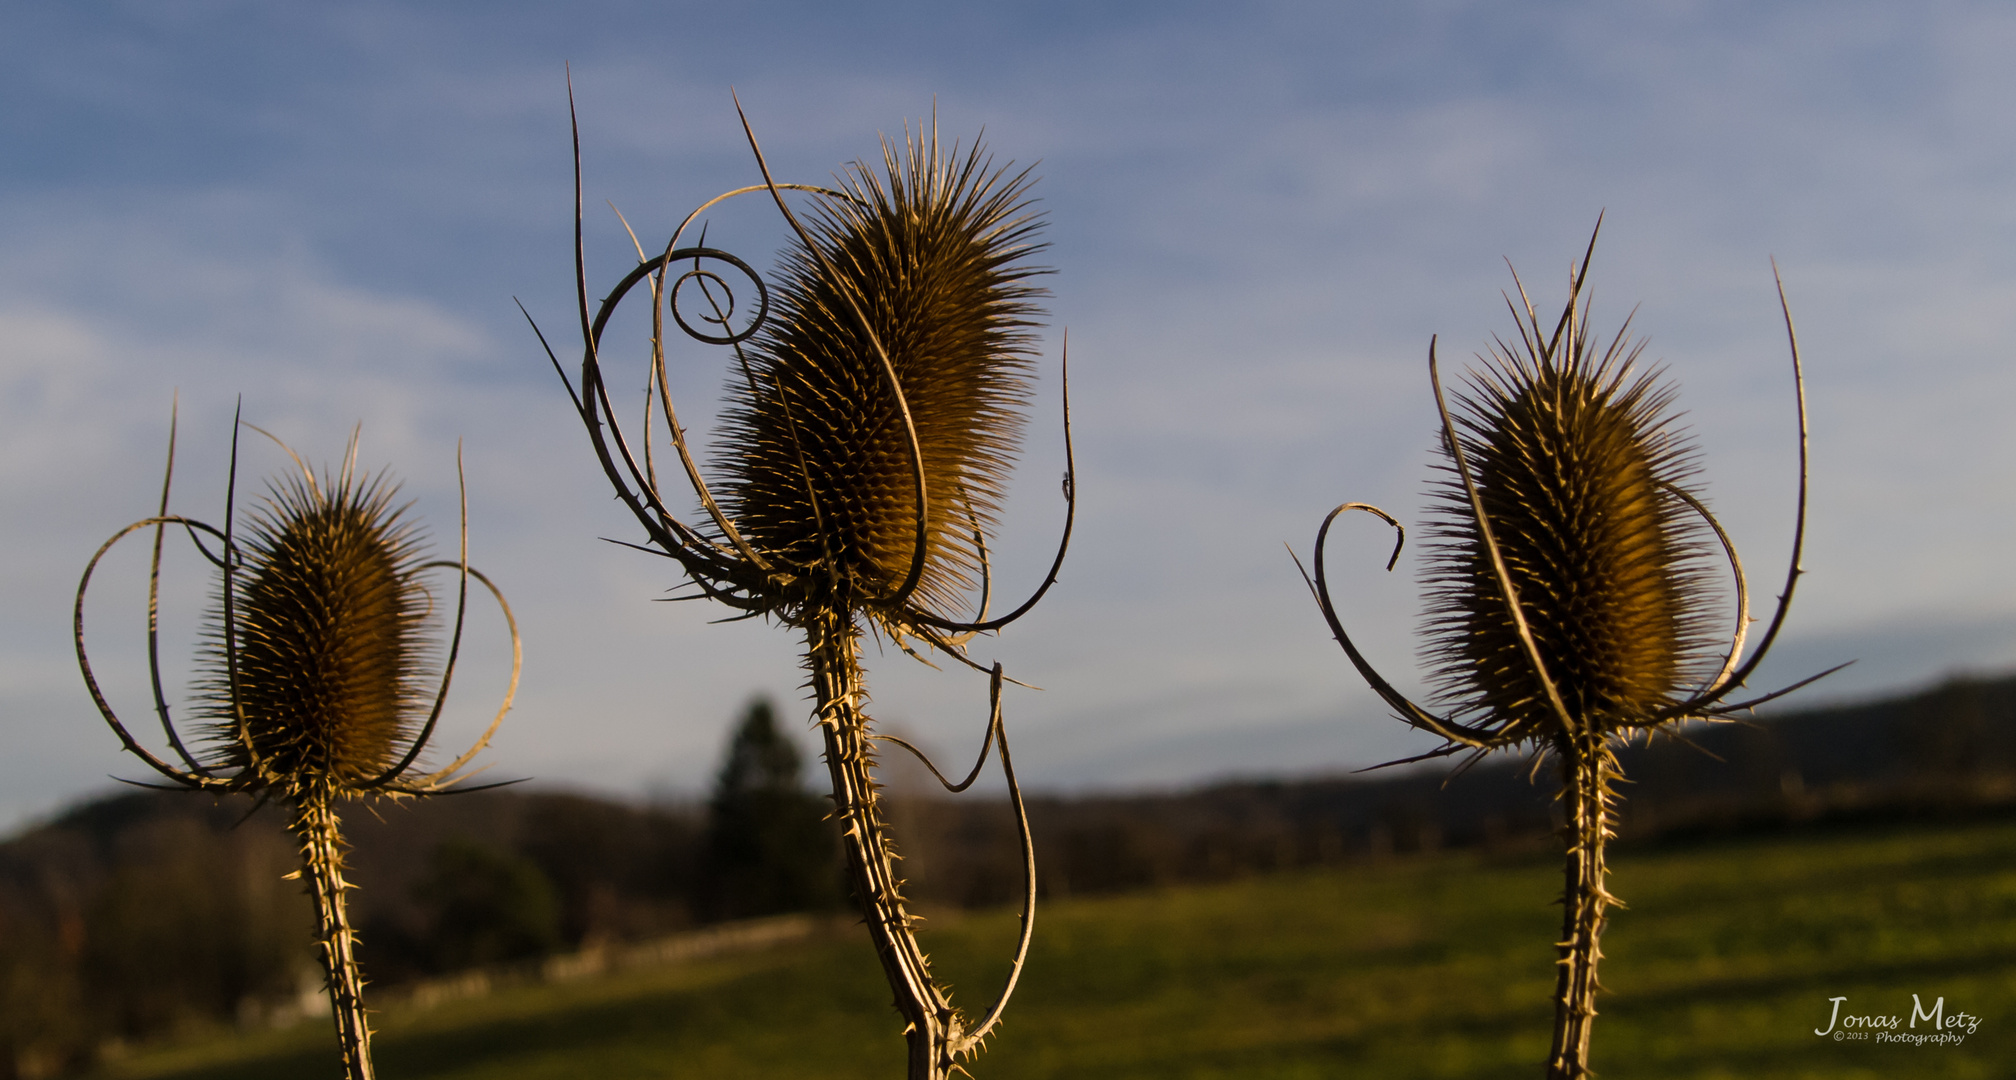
[[1436, 967]]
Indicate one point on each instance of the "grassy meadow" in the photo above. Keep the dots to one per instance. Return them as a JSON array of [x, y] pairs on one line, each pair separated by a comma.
[[1437, 966]]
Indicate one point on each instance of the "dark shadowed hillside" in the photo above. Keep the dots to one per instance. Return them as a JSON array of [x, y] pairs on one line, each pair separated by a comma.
[[146, 913], [1949, 749]]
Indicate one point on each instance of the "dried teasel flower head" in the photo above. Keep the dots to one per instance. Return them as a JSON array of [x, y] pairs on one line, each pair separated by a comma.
[[1570, 588], [875, 406], [316, 675], [320, 672], [1580, 472], [316, 680], [912, 279], [1572, 574]]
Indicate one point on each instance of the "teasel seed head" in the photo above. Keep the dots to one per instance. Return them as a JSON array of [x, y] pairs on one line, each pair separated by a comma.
[[929, 252], [323, 678], [1577, 463]]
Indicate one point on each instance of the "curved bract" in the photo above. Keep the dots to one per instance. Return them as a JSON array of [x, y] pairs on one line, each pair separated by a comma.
[[875, 403], [1562, 523], [315, 663], [317, 680]]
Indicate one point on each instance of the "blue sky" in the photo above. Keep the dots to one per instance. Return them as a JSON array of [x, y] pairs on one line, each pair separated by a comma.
[[1258, 214]]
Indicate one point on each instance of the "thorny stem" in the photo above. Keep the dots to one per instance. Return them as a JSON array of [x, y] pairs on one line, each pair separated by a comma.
[[315, 826], [833, 657], [1587, 768]]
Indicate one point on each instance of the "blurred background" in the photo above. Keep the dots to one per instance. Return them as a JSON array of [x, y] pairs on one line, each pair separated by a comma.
[[1258, 214]]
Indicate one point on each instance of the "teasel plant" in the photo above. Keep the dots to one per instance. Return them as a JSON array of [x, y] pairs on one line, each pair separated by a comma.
[[317, 683], [1571, 590], [876, 399]]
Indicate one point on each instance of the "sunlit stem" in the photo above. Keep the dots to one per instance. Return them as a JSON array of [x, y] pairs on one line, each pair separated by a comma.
[[833, 657], [315, 827], [1587, 768]]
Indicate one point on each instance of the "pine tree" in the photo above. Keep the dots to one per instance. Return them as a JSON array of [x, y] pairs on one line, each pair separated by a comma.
[[769, 848]]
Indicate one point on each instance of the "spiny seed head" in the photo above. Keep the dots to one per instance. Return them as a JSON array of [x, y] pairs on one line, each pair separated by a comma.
[[326, 634], [1575, 461], [929, 249]]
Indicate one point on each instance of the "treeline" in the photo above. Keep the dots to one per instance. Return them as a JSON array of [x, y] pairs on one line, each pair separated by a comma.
[[1951, 749], [146, 913]]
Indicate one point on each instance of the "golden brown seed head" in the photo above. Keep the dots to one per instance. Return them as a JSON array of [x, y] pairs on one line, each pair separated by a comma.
[[1575, 460], [818, 462], [331, 663]]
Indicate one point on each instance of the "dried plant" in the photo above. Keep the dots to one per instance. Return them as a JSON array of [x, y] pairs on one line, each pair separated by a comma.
[[875, 407], [317, 680], [1570, 590]]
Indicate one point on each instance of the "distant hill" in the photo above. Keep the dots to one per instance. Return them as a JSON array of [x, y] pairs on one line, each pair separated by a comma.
[[1951, 749], [148, 912]]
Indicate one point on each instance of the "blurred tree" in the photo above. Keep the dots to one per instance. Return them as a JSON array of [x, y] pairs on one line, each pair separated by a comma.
[[621, 871], [191, 923], [486, 906], [769, 848]]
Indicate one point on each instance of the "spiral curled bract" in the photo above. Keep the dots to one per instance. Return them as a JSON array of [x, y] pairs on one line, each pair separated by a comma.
[[325, 636], [1576, 463], [925, 257]]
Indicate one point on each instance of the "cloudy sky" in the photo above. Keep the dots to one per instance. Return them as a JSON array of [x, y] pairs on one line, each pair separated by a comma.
[[1258, 214]]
